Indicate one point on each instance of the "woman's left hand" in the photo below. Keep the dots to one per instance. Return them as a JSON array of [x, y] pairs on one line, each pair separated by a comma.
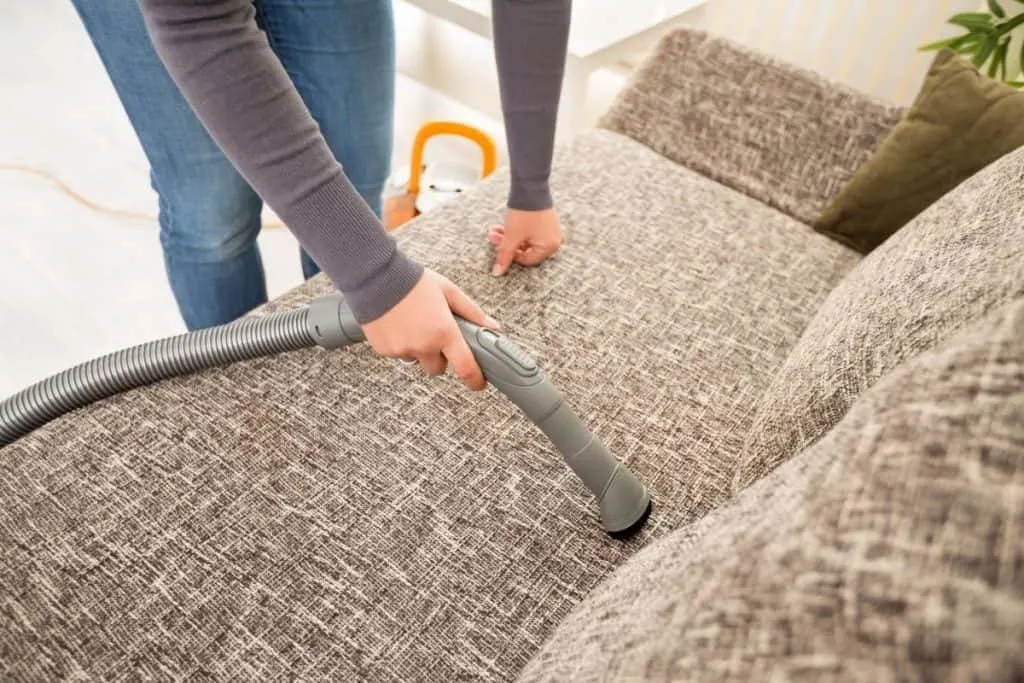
[[527, 238]]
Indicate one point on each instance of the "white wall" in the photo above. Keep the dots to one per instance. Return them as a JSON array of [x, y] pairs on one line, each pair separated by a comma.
[[870, 44]]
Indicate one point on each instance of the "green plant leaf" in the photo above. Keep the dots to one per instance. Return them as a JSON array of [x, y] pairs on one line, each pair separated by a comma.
[[972, 20], [984, 51], [939, 44], [998, 62], [970, 46], [1010, 24], [996, 8], [963, 43]]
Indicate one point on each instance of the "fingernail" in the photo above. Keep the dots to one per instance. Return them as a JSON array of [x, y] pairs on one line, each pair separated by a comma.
[[491, 322], [496, 270]]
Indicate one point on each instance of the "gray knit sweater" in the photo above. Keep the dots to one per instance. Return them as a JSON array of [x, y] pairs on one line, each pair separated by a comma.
[[226, 70]]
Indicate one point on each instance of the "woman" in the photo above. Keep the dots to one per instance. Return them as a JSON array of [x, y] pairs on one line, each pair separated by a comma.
[[236, 102]]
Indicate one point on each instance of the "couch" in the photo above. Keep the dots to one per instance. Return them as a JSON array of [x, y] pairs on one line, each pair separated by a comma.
[[834, 441]]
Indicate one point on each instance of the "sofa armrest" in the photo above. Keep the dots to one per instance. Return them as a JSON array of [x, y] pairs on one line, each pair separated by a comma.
[[781, 134]]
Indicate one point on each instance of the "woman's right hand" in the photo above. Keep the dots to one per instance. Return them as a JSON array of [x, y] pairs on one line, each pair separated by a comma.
[[421, 327]]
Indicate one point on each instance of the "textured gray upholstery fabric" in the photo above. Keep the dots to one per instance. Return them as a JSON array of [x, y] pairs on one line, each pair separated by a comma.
[[783, 135], [340, 516], [891, 550], [952, 263]]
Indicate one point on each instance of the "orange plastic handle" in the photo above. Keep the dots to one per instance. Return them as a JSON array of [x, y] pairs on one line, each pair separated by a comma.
[[434, 128]]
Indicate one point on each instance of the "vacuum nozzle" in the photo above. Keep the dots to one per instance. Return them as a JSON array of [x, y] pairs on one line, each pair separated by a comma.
[[623, 501]]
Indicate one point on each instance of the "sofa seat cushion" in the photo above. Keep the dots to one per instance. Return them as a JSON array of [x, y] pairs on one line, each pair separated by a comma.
[[890, 550], [337, 515], [952, 263]]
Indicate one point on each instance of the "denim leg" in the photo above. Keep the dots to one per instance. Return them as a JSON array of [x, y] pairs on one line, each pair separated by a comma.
[[209, 215], [340, 54]]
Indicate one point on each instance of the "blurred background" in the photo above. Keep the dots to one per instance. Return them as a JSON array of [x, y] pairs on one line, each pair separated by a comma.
[[81, 272]]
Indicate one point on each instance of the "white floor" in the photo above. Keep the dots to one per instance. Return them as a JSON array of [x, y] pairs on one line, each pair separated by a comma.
[[76, 283]]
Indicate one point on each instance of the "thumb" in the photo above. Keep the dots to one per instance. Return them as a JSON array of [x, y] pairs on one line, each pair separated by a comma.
[[507, 248], [466, 308]]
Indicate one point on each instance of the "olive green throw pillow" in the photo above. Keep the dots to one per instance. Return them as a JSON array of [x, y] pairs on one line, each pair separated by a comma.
[[960, 122]]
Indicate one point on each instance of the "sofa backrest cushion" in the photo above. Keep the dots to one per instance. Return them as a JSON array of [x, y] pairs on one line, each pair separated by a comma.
[[889, 550], [951, 264], [777, 132]]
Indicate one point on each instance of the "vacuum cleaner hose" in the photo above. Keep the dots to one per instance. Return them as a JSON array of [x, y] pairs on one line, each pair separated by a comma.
[[328, 322], [146, 363]]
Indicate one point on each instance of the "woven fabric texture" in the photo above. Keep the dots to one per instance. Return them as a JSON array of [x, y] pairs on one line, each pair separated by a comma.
[[336, 515], [951, 264], [891, 550], [779, 133]]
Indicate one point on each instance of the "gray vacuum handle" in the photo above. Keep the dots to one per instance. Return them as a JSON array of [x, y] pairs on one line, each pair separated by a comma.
[[623, 501]]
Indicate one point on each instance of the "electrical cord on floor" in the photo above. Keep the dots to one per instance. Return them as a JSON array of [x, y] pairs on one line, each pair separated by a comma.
[[95, 206]]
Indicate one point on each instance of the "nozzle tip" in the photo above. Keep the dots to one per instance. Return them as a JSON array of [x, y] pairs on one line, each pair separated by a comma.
[[622, 534]]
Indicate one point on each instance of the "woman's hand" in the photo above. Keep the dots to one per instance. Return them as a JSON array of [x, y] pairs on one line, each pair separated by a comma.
[[527, 238], [421, 327]]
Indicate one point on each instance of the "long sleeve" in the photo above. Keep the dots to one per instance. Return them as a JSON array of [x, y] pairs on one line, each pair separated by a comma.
[[530, 42], [225, 68]]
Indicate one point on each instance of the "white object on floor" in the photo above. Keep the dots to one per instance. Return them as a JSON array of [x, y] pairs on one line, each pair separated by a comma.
[[443, 181]]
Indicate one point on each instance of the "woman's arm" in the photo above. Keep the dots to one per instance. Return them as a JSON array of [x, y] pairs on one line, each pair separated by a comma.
[[226, 70], [530, 42]]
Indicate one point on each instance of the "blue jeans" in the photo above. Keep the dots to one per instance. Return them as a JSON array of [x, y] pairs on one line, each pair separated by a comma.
[[340, 56]]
